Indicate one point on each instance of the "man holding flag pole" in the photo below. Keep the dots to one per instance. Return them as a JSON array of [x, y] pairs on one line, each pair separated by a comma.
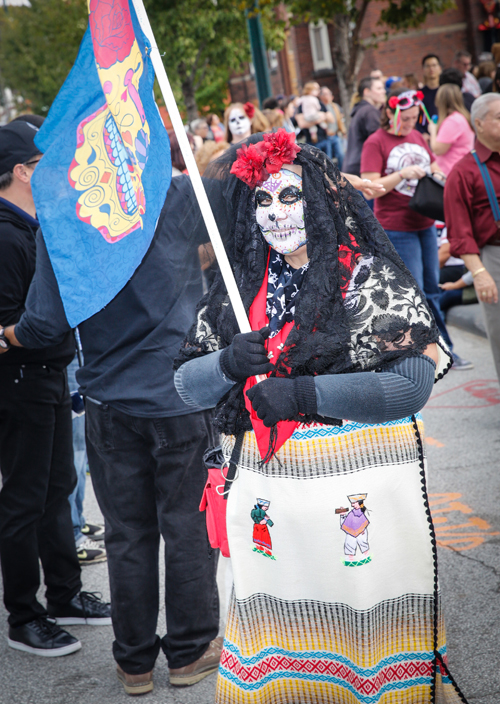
[[114, 260]]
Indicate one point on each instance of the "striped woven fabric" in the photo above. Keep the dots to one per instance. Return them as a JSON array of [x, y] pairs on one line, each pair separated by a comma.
[[347, 609]]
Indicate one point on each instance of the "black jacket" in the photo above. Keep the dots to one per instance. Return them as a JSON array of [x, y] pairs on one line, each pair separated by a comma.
[[365, 120], [129, 346], [17, 268]]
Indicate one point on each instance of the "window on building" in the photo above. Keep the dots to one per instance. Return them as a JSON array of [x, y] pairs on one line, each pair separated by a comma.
[[272, 59], [320, 46]]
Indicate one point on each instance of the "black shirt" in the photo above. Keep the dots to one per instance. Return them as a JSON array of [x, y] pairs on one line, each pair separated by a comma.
[[468, 100], [430, 103], [130, 345], [365, 120], [17, 268]]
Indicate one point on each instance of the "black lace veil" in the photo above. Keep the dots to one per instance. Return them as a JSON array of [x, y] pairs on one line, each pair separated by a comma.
[[359, 308]]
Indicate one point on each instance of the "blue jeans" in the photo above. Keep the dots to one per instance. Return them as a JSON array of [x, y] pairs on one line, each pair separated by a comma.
[[370, 202], [333, 147], [419, 251], [80, 455]]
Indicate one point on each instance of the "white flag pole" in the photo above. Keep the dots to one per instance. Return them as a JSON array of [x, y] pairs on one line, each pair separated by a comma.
[[192, 167]]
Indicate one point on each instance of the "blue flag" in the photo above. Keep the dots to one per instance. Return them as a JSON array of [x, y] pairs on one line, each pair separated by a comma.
[[106, 169]]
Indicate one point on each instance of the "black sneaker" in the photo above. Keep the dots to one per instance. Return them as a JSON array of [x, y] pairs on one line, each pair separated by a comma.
[[86, 608], [90, 552], [43, 637], [93, 531]]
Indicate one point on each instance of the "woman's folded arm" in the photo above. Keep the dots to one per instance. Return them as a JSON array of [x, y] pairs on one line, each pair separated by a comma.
[[201, 382], [377, 397], [365, 397]]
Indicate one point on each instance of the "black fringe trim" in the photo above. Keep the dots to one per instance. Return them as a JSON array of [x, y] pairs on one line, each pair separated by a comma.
[[437, 655]]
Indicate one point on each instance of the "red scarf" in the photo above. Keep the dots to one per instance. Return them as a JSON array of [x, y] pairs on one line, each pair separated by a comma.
[[258, 319]]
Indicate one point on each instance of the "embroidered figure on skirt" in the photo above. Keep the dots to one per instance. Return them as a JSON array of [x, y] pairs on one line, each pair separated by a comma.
[[262, 523], [354, 523]]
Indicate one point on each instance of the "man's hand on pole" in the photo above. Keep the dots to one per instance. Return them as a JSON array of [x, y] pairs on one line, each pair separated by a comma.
[[246, 356]]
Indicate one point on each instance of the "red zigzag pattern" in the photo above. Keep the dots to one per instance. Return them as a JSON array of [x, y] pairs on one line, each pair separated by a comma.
[[396, 672]]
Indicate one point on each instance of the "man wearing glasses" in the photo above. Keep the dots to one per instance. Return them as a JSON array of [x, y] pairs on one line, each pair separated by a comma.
[[36, 451], [463, 62]]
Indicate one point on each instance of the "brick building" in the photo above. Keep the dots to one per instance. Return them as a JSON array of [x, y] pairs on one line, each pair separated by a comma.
[[307, 54]]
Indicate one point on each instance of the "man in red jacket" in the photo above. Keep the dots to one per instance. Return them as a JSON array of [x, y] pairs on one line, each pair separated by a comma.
[[473, 228]]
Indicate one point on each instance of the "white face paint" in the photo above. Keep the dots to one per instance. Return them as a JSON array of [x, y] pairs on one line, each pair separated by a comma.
[[280, 211], [239, 124]]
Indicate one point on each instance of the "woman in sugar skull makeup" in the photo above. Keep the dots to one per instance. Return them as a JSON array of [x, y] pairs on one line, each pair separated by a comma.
[[240, 121], [350, 352]]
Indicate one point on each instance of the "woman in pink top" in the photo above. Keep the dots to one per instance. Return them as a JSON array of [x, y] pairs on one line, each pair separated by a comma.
[[452, 137]]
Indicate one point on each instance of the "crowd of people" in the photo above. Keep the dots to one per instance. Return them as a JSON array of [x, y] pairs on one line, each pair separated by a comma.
[[347, 286], [432, 143]]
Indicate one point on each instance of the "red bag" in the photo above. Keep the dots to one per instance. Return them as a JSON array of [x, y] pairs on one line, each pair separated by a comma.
[[214, 499]]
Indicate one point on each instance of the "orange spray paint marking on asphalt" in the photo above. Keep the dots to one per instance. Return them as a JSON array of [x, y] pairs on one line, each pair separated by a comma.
[[479, 393], [433, 441], [453, 534]]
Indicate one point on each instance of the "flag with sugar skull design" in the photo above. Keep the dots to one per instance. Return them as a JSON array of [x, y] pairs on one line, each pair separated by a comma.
[[106, 169]]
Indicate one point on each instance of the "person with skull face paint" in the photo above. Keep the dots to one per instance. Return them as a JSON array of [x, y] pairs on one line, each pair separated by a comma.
[[341, 331], [279, 211], [240, 121]]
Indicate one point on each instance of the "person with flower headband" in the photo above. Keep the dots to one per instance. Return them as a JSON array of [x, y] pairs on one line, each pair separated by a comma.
[[397, 156], [340, 330], [240, 121]]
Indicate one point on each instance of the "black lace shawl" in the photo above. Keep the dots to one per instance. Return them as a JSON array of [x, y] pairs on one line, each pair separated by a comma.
[[359, 308]]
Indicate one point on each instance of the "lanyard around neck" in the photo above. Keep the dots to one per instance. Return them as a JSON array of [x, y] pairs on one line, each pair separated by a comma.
[[489, 188]]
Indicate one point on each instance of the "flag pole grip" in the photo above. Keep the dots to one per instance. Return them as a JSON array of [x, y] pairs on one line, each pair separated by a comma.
[[192, 167]]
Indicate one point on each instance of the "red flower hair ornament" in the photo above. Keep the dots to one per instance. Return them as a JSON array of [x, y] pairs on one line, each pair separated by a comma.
[[257, 161], [406, 100], [249, 109]]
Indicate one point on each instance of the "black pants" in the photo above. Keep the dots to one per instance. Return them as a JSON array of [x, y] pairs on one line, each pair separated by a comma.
[[38, 475], [148, 476]]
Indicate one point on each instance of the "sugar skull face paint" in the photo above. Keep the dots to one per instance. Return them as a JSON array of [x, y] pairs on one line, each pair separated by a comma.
[[239, 124], [280, 211]]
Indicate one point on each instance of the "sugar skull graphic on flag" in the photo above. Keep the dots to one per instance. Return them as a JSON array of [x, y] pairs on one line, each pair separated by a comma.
[[113, 143], [102, 182]]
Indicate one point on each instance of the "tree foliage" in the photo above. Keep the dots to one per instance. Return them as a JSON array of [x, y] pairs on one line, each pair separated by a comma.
[[347, 18], [202, 41], [38, 46]]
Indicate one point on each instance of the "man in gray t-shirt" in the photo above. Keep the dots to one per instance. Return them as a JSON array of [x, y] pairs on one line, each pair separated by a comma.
[[365, 119]]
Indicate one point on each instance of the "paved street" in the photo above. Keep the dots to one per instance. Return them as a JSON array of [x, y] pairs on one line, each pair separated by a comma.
[[463, 434]]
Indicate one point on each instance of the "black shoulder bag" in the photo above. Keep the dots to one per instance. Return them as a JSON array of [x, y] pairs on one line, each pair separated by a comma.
[[428, 199]]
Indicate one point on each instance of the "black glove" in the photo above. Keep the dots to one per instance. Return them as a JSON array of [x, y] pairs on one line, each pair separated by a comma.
[[283, 399], [246, 356]]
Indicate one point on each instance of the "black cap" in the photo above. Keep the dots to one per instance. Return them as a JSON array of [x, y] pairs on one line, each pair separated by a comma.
[[17, 144], [36, 120]]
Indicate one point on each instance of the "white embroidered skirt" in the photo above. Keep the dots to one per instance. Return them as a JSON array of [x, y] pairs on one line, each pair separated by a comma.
[[336, 597]]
